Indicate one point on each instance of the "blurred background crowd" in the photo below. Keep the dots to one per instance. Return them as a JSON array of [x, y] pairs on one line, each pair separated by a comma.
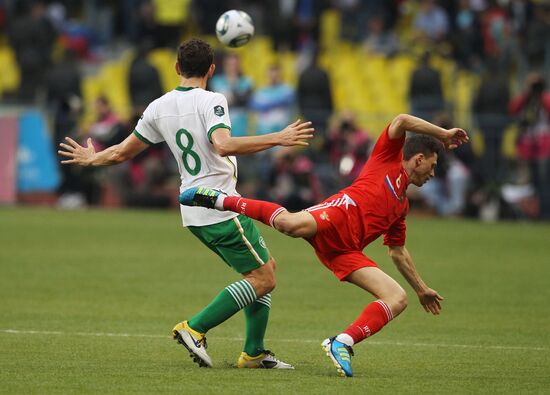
[[90, 68]]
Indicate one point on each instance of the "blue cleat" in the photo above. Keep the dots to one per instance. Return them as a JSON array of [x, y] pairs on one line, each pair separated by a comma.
[[340, 354], [199, 196]]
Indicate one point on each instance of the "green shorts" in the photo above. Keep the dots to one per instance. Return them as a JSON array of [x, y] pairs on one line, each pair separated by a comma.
[[237, 241]]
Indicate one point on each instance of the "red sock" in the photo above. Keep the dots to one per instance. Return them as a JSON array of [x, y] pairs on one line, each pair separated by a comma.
[[372, 319], [256, 209]]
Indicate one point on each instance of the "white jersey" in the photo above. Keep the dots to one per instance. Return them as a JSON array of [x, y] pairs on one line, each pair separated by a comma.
[[185, 119]]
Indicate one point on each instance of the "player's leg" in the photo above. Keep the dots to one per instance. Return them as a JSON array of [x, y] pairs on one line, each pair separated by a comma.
[[239, 244], [392, 300], [300, 224], [361, 271]]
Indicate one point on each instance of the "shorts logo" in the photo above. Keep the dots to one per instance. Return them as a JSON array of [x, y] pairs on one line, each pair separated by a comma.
[[219, 111], [262, 242], [324, 216]]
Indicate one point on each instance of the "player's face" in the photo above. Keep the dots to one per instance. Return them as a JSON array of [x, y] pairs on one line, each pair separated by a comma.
[[424, 169]]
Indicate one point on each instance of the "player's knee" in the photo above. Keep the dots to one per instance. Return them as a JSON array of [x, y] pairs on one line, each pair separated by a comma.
[[399, 302], [263, 279], [265, 285], [269, 275]]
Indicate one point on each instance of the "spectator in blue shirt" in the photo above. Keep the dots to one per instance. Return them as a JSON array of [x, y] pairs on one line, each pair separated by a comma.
[[237, 88], [274, 104]]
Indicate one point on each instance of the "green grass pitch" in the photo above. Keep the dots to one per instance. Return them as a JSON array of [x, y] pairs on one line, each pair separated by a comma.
[[88, 300]]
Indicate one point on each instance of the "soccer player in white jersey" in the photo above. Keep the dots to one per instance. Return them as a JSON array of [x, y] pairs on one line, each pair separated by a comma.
[[195, 124]]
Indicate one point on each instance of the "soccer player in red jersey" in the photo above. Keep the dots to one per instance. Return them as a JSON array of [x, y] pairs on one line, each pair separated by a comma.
[[340, 227]]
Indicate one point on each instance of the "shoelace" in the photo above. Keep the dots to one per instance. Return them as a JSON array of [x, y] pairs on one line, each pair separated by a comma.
[[271, 354], [203, 342]]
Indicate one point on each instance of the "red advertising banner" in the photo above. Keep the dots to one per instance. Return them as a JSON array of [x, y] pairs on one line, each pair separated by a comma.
[[8, 158]]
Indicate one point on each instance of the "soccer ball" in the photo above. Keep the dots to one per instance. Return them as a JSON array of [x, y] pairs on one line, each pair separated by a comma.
[[234, 28]]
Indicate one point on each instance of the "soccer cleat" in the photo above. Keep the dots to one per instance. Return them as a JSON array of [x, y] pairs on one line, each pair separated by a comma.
[[340, 354], [194, 342], [266, 360], [199, 196]]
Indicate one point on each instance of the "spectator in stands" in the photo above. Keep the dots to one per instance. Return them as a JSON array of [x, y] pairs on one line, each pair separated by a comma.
[[379, 39], [532, 109], [431, 21], [143, 79], [496, 34], [207, 13], [237, 88], [148, 180], [146, 27], [352, 19], [67, 113], [274, 104], [447, 192], [490, 112], [171, 17], [106, 130], [32, 37], [348, 146], [63, 81], [356, 14], [467, 47], [307, 14], [279, 19], [535, 48], [425, 92], [315, 95], [292, 180]]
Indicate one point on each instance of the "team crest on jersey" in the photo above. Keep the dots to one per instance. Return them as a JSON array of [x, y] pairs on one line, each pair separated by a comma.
[[262, 242], [219, 111], [324, 216]]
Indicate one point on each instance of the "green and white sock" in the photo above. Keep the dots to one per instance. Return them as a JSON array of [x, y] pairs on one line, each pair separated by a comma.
[[233, 298], [257, 315]]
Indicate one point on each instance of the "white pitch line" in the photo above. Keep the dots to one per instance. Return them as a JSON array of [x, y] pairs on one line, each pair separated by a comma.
[[373, 342]]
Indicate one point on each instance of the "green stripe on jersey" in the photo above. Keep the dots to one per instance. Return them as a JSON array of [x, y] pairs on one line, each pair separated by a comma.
[[217, 126], [139, 136]]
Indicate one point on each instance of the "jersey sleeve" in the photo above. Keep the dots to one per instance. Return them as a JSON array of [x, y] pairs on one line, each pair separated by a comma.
[[146, 129], [217, 114], [386, 149], [396, 235]]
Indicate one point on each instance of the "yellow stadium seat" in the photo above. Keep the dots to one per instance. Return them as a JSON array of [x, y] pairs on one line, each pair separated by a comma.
[[164, 60], [330, 29], [10, 76], [114, 80]]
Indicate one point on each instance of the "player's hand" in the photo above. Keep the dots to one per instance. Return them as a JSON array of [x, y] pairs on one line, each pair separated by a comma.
[[296, 134], [430, 300], [78, 154], [454, 138]]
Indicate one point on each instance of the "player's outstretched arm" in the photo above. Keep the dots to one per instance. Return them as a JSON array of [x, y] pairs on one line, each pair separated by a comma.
[[429, 298], [87, 156], [296, 133], [451, 138]]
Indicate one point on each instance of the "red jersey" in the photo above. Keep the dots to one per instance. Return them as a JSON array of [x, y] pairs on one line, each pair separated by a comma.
[[380, 194], [375, 204]]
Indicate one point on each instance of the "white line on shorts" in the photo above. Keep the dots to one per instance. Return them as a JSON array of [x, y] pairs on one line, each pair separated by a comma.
[[373, 342]]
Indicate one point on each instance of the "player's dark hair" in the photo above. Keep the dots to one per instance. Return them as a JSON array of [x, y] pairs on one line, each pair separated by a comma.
[[195, 57], [421, 144]]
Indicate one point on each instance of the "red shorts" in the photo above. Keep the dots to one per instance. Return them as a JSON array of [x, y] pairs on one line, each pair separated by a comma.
[[336, 242]]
